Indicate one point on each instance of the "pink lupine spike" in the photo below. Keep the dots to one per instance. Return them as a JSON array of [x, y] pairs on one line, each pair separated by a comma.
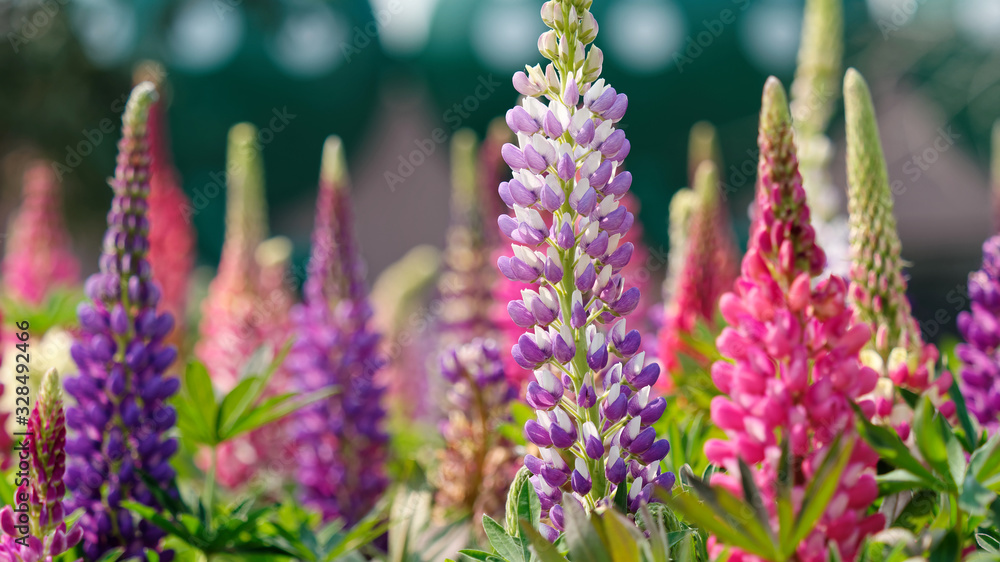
[[793, 369], [171, 233], [38, 258], [707, 271], [230, 329]]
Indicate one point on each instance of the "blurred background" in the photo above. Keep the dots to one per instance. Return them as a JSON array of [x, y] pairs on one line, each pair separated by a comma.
[[386, 74]]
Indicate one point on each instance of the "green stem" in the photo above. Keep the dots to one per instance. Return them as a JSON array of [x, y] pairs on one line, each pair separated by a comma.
[[209, 498]]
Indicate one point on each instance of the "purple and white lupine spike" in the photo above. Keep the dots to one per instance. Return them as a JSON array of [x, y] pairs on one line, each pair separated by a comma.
[[591, 389], [121, 414]]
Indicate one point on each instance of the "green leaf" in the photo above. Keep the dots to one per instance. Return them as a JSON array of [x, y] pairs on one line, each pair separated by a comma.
[[621, 537], [582, 538], [753, 498], [542, 548], [985, 461], [737, 511], [931, 441], [892, 450], [819, 492], [476, 554], [975, 498], [239, 401], [969, 437], [784, 485], [947, 550], [528, 505], [715, 521], [988, 543], [276, 408], [502, 543], [896, 481], [112, 555], [201, 407]]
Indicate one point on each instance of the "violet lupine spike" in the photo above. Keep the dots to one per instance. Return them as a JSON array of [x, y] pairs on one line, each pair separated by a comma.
[[980, 327], [43, 491], [38, 258], [792, 370], [171, 233], [477, 463], [341, 443], [230, 329], [878, 283], [121, 414], [592, 388]]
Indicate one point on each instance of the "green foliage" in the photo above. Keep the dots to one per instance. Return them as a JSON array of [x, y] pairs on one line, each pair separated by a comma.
[[206, 420], [58, 309], [744, 522]]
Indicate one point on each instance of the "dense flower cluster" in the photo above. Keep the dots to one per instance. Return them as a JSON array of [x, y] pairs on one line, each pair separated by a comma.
[[122, 414], [341, 442], [592, 388], [477, 463], [794, 369], [38, 257], [43, 490], [981, 330], [878, 285]]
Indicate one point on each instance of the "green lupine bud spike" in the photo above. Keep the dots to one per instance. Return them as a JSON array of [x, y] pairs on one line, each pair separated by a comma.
[[878, 290], [814, 90], [703, 144], [682, 206], [246, 212], [47, 452], [463, 177]]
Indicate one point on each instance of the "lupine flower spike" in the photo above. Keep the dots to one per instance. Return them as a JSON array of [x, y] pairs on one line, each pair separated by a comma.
[[980, 355], [43, 491], [793, 368], [878, 287], [121, 414], [465, 285], [592, 389], [478, 463], [708, 270], [38, 258], [230, 331], [980, 327], [341, 442], [171, 233]]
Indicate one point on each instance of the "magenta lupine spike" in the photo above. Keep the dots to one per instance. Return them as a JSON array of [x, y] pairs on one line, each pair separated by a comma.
[[230, 326], [38, 258], [707, 271], [122, 415], [592, 389], [171, 233], [980, 355], [341, 443], [793, 369], [478, 462], [43, 490]]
